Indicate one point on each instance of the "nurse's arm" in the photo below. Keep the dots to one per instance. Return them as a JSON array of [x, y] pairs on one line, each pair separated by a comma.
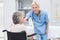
[[28, 15], [47, 20], [46, 28]]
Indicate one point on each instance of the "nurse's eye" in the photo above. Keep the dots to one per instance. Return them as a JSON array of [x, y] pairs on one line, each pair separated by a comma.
[[35, 7]]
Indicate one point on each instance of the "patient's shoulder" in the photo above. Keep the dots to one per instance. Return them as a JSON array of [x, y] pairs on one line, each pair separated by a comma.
[[17, 27]]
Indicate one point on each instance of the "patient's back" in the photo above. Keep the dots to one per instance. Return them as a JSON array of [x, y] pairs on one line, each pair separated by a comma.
[[17, 28]]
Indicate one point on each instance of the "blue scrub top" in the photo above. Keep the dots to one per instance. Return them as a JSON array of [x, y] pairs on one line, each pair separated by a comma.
[[38, 21]]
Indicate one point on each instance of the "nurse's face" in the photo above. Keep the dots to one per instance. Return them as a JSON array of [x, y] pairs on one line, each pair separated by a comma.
[[35, 8]]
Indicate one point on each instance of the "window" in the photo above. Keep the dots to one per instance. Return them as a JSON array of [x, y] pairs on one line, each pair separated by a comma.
[[55, 14], [1, 14], [1, 21]]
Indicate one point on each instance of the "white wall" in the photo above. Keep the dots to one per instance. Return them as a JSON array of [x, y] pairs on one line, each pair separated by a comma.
[[1, 21], [1, 13], [9, 8]]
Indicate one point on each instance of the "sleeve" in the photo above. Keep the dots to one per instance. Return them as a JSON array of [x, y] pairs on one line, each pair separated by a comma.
[[46, 18], [28, 15]]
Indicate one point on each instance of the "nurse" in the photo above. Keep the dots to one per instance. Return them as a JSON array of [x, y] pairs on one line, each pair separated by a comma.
[[40, 21]]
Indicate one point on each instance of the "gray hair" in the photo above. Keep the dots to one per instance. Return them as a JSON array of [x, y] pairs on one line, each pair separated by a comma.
[[37, 3], [17, 17]]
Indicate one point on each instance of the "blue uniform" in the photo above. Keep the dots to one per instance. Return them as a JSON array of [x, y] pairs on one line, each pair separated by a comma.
[[39, 22]]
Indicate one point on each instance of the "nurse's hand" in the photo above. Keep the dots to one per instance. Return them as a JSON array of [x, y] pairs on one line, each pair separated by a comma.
[[46, 32], [23, 20], [31, 38]]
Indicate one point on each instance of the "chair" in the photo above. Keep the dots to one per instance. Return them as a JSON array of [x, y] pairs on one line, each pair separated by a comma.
[[17, 35]]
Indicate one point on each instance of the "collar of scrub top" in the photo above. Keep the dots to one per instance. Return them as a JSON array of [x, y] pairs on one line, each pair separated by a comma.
[[38, 15]]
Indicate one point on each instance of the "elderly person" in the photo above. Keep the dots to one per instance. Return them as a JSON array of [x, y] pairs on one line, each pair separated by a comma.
[[18, 23], [40, 21]]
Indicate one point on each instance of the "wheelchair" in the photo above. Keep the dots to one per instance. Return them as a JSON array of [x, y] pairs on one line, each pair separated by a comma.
[[17, 35]]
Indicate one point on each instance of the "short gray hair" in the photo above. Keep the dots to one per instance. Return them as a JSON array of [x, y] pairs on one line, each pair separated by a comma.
[[17, 17], [37, 3]]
